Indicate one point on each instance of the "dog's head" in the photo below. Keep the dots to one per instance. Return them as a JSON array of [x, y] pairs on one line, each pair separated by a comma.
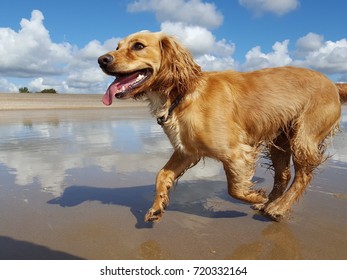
[[148, 61]]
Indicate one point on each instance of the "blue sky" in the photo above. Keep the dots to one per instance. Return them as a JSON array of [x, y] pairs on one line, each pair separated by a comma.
[[46, 44]]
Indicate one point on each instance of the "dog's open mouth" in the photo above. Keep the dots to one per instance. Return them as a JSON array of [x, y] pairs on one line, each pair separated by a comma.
[[124, 84]]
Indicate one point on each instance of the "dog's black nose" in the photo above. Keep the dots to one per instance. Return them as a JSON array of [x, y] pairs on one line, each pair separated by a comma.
[[105, 60]]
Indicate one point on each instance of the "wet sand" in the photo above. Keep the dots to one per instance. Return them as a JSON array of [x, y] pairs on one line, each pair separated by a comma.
[[76, 184]]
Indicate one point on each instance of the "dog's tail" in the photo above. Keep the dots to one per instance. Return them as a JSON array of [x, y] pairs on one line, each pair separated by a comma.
[[342, 91]]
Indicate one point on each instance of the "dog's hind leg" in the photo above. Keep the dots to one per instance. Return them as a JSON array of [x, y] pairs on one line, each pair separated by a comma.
[[174, 168], [308, 147], [280, 154], [278, 207], [239, 168]]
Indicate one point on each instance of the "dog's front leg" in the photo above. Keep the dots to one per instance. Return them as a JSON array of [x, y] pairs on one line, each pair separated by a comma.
[[174, 168]]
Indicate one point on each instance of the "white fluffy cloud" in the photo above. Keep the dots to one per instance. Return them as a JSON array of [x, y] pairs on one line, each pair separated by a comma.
[[210, 53], [256, 59], [215, 63], [198, 39], [326, 56], [312, 51], [309, 42], [190, 12], [6, 86], [19, 50], [278, 7]]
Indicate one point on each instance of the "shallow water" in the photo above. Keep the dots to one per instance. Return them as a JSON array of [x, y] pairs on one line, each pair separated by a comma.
[[77, 184]]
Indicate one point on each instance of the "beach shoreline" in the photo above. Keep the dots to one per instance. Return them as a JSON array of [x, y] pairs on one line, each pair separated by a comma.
[[42, 101]]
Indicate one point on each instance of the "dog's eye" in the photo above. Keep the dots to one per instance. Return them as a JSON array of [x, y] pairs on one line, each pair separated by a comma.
[[138, 46]]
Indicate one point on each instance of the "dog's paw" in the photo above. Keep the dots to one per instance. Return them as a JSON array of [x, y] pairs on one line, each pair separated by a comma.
[[258, 206], [154, 215], [156, 212], [257, 197], [272, 216], [273, 212]]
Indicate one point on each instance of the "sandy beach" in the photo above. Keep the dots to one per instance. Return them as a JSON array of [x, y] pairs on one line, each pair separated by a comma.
[[76, 179], [35, 101]]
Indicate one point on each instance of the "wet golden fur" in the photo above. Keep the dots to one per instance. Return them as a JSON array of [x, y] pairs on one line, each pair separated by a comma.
[[231, 116]]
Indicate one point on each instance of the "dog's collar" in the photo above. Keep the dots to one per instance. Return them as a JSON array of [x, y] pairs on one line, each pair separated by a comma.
[[163, 119]]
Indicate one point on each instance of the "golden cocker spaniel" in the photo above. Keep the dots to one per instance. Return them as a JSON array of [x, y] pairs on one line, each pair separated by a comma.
[[230, 116]]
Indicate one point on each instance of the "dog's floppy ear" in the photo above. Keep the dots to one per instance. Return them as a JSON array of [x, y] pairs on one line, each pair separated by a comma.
[[178, 73]]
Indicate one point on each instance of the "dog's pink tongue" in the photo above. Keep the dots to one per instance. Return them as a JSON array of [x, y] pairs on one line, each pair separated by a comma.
[[108, 98], [110, 92]]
